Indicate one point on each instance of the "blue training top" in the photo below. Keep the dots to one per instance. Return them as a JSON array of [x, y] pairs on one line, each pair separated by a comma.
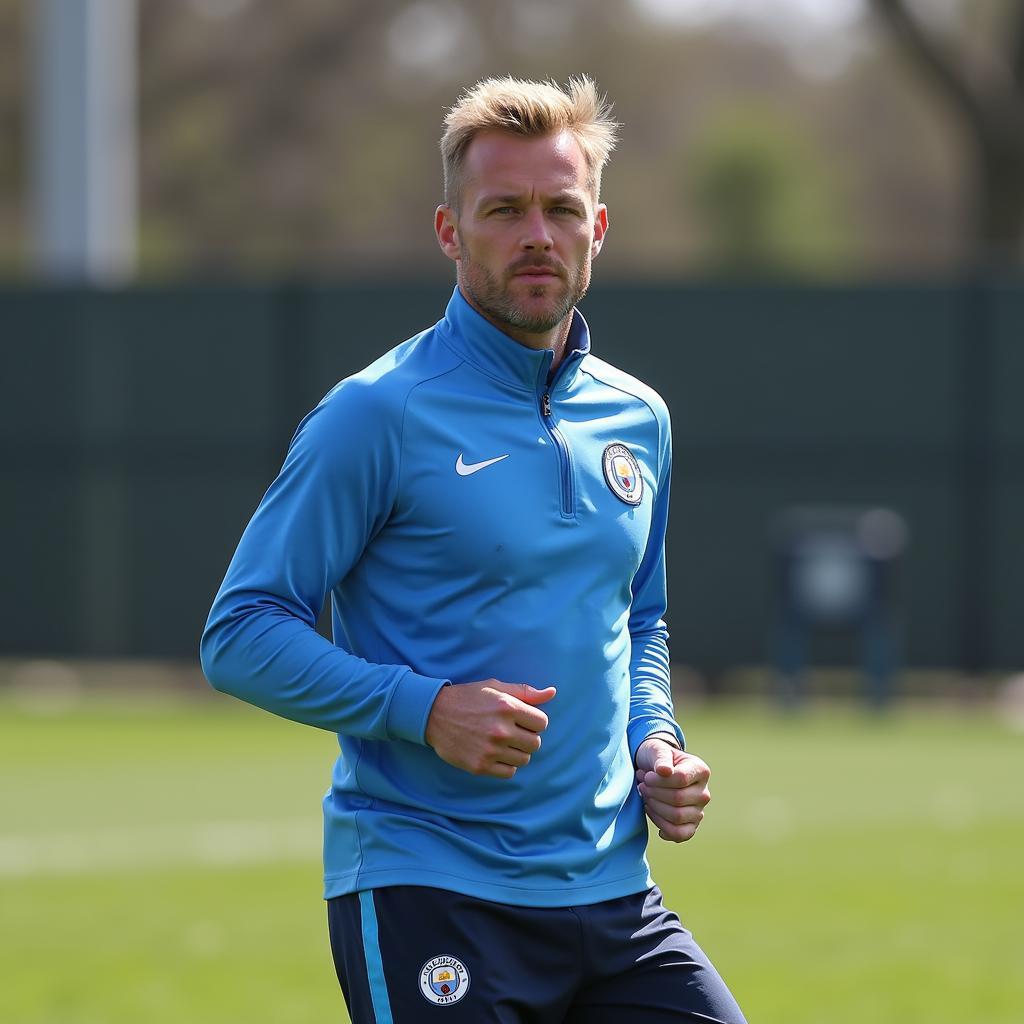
[[471, 519]]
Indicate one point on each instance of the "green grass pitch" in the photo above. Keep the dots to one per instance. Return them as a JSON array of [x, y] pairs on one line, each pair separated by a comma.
[[159, 863]]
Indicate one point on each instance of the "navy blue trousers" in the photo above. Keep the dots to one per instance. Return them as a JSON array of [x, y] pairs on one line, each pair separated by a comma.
[[410, 955]]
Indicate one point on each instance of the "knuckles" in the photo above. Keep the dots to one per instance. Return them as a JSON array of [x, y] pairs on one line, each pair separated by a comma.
[[685, 816], [679, 833], [507, 705]]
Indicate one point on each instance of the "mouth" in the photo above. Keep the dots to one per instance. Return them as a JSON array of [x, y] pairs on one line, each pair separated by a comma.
[[537, 275]]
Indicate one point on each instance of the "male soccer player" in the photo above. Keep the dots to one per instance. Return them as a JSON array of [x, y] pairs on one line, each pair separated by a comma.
[[486, 505]]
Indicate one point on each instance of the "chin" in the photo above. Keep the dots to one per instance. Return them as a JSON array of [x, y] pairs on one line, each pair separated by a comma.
[[553, 293], [547, 310]]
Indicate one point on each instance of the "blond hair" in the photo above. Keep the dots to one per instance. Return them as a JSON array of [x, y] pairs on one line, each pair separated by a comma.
[[531, 109]]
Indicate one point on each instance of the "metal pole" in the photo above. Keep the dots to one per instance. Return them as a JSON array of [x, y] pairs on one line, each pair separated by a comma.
[[83, 140]]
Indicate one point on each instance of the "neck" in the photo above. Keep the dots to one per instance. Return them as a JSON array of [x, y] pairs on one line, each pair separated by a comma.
[[555, 339]]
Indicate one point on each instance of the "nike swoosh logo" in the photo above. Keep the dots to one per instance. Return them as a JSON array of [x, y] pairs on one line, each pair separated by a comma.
[[468, 470]]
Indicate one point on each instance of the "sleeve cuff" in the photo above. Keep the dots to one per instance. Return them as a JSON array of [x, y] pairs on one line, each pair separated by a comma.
[[642, 728], [410, 706]]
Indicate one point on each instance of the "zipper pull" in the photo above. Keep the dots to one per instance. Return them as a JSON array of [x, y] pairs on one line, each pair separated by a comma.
[[545, 404]]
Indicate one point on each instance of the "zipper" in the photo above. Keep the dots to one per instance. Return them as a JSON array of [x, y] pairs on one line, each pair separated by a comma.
[[567, 493]]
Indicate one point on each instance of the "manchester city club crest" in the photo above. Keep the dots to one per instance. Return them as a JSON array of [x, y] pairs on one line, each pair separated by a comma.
[[444, 980], [622, 472]]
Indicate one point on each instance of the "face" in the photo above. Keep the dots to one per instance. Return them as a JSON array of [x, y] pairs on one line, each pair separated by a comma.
[[526, 230]]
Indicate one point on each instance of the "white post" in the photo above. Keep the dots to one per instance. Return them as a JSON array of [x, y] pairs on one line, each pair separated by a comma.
[[83, 140]]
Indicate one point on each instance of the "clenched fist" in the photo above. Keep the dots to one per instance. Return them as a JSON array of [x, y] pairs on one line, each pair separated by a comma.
[[488, 727], [674, 786]]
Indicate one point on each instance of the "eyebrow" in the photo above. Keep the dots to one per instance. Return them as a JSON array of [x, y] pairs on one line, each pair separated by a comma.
[[491, 200], [568, 199]]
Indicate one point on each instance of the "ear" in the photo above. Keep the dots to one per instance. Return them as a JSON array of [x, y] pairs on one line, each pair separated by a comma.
[[600, 229], [447, 232]]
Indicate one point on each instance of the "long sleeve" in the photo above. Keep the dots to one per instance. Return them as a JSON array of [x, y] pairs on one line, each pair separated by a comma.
[[650, 706], [333, 494]]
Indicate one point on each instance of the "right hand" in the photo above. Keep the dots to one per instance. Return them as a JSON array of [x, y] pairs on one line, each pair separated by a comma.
[[489, 727]]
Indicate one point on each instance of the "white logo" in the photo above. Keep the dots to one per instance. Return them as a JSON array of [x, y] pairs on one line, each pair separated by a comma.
[[444, 980], [463, 470], [622, 474]]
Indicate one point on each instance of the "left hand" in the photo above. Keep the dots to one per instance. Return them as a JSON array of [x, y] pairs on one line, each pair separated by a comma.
[[674, 786]]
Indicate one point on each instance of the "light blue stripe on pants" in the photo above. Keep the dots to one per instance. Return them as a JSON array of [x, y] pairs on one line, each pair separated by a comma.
[[374, 964]]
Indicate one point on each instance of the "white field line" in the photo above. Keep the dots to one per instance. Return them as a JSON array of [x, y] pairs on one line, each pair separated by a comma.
[[205, 844]]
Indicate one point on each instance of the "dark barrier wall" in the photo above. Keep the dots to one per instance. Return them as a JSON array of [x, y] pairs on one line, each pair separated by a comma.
[[139, 429]]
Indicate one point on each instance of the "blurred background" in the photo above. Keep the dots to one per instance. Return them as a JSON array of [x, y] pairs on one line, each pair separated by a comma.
[[212, 210]]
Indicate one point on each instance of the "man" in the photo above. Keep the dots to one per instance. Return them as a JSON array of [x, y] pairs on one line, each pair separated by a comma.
[[486, 505]]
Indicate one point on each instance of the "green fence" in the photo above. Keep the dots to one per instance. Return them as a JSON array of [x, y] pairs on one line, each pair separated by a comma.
[[138, 430]]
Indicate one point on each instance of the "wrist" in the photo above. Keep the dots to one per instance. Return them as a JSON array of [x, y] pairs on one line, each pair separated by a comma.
[[666, 737]]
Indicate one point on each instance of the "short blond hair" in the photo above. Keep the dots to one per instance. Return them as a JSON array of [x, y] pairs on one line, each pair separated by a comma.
[[531, 109]]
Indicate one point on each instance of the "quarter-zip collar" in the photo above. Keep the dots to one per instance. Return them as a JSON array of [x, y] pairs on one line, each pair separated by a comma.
[[493, 352]]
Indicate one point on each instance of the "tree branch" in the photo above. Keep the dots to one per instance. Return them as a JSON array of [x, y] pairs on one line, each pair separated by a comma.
[[1017, 47], [939, 65]]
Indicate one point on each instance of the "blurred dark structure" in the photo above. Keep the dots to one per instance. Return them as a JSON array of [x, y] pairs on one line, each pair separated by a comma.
[[837, 570], [139, 428]]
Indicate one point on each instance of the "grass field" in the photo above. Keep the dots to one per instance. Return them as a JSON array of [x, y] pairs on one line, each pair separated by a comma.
[[159, 863]]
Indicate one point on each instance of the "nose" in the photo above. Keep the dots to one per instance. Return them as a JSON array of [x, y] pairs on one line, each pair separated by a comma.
[[536, 235]]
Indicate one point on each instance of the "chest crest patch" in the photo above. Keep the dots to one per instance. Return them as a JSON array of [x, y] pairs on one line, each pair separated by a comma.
[[622, 474]]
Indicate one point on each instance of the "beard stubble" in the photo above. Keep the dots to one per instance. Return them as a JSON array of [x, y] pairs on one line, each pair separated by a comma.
[[498, 303]]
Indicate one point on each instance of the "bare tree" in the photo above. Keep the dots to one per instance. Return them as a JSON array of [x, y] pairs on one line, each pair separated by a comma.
[[987, 99]]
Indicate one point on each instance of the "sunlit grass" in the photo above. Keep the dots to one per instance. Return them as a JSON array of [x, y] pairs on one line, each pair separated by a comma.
[[159, 863]]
